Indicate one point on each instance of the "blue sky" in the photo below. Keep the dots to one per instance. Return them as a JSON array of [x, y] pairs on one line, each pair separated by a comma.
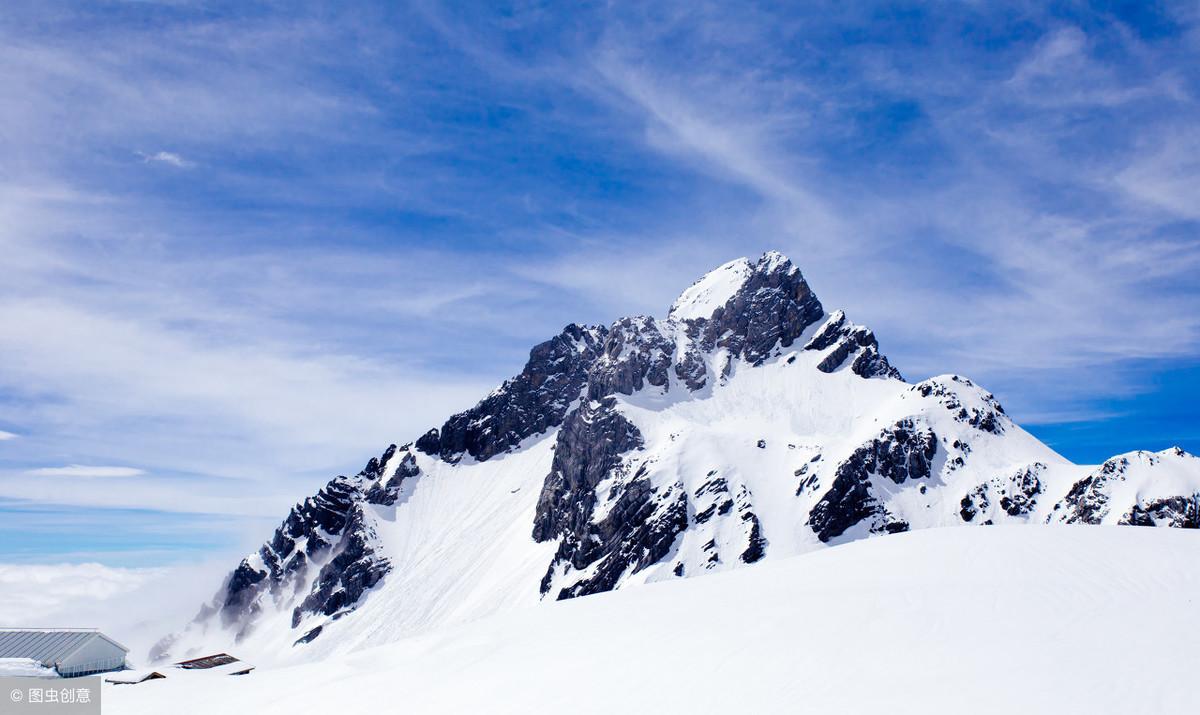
[[246, 246]]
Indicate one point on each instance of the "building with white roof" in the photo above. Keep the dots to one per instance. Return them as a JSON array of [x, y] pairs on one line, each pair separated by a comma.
[[69, 651]]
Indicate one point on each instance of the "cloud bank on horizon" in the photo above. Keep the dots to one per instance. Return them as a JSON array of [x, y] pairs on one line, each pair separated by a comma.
[[244, 248]]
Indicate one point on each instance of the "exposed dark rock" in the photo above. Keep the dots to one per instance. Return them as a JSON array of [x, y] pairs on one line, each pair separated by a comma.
[[634, 354], [589, 446], [1017, 494], [310, 636], [535, 400], [713, 486], [638, 528], [386, 492], [691, 371], [1087, 501], [637, 533], [772, 308], [848, 340], [714, 494], [1181, 512], [281, 565], [900, 453], [757, 545], [990, 418], [974, 502], [356, 567]]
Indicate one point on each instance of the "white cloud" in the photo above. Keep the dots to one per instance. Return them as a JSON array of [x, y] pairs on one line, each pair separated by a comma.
[[135, 606], [6, 435], [84, 470], [167, 157], [1167, 176], [30, 593]]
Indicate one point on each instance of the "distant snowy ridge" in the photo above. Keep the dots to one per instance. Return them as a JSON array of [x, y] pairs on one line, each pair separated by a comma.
[[747, 425]]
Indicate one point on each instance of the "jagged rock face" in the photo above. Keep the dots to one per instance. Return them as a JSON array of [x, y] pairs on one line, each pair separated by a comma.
[[988, 416], [772, 308], [528, 404], [1180, 512], [384, 492], [900, 453], [1015, 495], [640, 522], [636, 353], [356, 566], [850, 340], [283, 560], [329, 522], [588, 448]]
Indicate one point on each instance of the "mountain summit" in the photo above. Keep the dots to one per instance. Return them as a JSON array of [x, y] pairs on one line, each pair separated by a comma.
[[748, 424]]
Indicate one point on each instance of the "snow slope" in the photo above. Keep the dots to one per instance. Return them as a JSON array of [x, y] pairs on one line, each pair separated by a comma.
[[712, 291], [1031, 619]]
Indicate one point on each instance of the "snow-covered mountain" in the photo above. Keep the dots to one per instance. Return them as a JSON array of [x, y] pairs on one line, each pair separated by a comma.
[[748, 425]]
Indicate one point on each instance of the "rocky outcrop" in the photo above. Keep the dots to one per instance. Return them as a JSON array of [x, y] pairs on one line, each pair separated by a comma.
[[599, 541], [588, 449], [1089, 500], [900, 453], [852, 344], [356, 566], [326, 531], [1181, 512], [771, 309], [532, 402], [1015, 495], [967, 402], [635, 353]]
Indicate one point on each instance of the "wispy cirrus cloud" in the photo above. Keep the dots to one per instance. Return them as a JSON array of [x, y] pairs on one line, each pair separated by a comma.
[[87, 471], [166, 157]]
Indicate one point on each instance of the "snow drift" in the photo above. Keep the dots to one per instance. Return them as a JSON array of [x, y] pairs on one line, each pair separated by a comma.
[[1031, 619]]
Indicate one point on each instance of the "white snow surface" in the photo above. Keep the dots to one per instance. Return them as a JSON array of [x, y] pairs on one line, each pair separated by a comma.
[[1030, 619], [712, 291], [460, 546], [24, 668]]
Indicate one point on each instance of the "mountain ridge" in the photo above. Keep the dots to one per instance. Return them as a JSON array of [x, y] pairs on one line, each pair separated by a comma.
[[667, 448]]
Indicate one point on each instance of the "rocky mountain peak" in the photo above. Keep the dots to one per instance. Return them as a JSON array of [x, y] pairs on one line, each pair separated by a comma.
[[740, 278]]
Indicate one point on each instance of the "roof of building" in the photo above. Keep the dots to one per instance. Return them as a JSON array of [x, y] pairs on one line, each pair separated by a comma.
[[208, 661], [47, 645], [132, 677], [217, 663]]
